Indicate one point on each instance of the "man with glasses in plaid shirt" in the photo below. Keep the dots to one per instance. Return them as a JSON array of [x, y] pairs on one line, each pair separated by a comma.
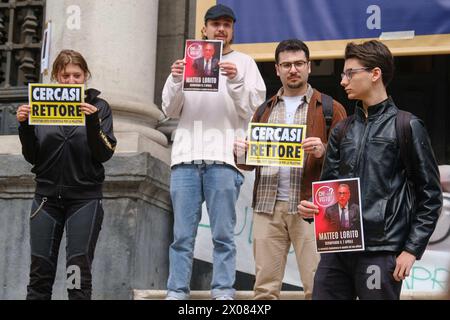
[[278, 190]]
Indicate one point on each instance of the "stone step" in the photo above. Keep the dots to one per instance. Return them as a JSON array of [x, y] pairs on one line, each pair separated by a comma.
[[206, 295], [285, 295]]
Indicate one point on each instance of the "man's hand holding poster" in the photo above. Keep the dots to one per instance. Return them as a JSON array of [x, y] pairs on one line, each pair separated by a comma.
[[338, 225], [56, 104], [201, 72], [273, 144]]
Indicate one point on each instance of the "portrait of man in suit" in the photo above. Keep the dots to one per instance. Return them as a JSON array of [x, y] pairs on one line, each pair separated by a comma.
[[208, 65], [343, 215]]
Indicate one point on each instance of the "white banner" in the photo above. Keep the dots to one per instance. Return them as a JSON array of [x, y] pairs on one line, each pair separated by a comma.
[[243, 233]]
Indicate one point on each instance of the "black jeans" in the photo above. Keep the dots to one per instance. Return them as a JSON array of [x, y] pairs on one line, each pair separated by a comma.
[[348, 275], [82, 220]]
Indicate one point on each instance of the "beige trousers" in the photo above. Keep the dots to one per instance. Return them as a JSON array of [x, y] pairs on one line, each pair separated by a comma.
[[272, 238]]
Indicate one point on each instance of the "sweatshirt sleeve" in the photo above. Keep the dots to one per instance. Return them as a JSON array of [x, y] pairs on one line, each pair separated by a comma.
[[100, 135], [172, 98], [28, 139], [240, 162], [247, 89]]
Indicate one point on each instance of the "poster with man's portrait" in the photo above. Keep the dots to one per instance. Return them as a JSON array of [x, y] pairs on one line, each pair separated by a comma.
[[339, 224], [201, 72]]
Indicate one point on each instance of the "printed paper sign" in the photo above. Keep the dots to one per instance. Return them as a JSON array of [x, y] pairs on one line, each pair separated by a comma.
[[56, 104], [45, 52], [273, 144], [338, 226], [201, 72]]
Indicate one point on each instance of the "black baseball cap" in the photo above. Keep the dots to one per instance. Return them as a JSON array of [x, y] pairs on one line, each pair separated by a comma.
[[218, 11]]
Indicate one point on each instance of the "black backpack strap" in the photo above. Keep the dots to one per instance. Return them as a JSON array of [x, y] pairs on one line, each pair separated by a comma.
[[260, 111], [344, 124], [404, 137], [327, 108]]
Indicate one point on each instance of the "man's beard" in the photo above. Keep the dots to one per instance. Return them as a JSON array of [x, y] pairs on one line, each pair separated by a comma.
[[295, 85]]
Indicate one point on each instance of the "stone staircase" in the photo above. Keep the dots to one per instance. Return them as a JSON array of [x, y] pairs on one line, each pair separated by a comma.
[[285, 295], [206, 295]]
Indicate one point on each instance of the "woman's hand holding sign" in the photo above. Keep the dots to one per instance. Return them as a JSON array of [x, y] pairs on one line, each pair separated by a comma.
[[87, 108], [23, 112]]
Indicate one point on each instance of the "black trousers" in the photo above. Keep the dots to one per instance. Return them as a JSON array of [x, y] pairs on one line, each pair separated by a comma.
[[82, 220], [351, 275]]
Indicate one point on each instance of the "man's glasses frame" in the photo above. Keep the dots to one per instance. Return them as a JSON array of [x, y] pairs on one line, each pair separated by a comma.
[[298, 65], [349, 72]]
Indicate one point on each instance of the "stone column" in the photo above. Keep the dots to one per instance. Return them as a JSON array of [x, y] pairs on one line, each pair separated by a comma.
[[118, 38]]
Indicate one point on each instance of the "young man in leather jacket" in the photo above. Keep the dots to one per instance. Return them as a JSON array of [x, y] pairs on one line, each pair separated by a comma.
[[399, 210]]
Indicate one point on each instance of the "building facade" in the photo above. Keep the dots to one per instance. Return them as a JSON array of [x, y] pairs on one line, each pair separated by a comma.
[[130, 45]]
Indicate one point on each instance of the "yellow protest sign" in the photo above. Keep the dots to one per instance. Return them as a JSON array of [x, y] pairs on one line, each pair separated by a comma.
[[56, 104], [273, 144]]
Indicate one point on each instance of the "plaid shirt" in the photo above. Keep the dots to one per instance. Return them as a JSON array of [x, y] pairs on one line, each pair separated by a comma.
[[266, 193]]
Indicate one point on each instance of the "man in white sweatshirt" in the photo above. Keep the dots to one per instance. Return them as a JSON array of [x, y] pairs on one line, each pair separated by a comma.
[[203, 167]]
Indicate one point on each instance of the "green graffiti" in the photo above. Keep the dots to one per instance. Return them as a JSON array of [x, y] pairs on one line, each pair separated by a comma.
[[244, 224], [437, 277]]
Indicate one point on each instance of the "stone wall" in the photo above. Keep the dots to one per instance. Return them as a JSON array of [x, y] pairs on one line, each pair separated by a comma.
[[132, 250]]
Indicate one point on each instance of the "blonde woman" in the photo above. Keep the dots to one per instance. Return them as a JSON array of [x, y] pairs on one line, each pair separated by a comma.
[[67, 162]]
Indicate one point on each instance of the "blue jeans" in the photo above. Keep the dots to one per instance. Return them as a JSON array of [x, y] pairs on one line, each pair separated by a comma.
[[219, 186]]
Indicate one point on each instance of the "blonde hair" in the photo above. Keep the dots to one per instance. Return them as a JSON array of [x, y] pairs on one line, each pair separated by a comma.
[[69, 56]]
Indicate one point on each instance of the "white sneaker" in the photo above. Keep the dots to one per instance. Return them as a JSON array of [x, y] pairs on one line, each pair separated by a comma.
[[171, 298]]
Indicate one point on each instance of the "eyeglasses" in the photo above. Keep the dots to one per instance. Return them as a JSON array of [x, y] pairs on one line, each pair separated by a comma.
[[349, 72], [286, 66]]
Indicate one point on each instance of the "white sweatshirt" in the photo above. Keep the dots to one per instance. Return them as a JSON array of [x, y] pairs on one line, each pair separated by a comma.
[[210, 121]]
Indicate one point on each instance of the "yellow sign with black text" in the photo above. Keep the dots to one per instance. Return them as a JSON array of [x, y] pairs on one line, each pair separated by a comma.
[[273, 144], [56, 104]]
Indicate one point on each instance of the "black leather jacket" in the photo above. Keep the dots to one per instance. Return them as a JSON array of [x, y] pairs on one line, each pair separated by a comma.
[[397, 215], [67, 160]]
